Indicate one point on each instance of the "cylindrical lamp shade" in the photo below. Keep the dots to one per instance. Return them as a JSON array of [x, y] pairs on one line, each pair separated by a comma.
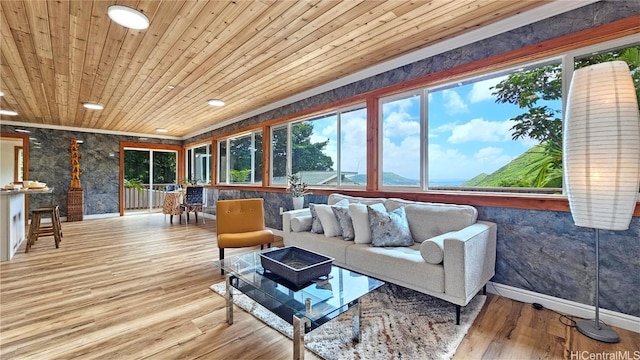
[[602, 146]]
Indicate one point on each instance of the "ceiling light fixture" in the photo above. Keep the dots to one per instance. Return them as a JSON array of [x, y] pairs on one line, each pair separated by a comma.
[[8, 112], [1, 93], [22, 131], [128, 17], [92, 106], [216, 102], [161, 130], [170, 87]]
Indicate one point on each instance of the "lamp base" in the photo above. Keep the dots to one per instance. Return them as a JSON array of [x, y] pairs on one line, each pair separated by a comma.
[[602, 333]]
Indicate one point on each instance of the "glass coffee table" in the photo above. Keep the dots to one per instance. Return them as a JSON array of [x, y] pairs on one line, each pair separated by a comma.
[[305, 307]]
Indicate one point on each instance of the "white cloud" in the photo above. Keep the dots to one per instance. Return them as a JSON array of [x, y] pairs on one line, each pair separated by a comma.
[[481, 130], [402, 159], [400, 124], [453, 103], [480, 91], [354, 144]]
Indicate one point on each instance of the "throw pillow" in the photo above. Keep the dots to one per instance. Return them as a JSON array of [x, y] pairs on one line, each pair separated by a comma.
[[301, 223], [360, 220], [316, 225], [329, 220], [344, 219], [389, 228]]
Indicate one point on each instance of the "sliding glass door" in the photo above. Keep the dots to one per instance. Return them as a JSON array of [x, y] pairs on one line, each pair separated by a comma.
[[147, 172]]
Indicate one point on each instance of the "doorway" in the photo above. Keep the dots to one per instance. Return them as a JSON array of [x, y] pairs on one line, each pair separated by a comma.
[[147, 173]]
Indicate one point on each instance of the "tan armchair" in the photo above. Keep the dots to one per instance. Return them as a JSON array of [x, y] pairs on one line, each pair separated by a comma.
[[240, 223]]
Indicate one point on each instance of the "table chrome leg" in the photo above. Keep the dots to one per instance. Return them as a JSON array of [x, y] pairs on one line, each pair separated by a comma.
[[229, 298], [355, 322], [299, 329]]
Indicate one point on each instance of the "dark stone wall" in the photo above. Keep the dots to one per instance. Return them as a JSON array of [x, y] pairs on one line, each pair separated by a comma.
[[100, 171], [544, 252]]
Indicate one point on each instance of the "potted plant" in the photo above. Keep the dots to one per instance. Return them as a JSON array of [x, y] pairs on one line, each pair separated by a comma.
[[297, 189]]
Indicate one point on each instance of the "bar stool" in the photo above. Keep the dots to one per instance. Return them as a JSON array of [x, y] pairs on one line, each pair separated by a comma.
[[37, 229]]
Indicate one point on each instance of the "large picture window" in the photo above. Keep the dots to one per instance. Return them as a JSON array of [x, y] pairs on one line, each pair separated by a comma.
[[501, 131], [198, 164], [327, 150], [240, 159], [401, 118]]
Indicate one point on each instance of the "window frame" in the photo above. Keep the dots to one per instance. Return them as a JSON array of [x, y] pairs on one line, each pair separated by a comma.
[[227, 141], [289, 125], [421, 93], [190, 162]]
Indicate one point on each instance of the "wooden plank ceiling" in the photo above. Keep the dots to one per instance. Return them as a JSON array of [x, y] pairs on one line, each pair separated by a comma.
[[57, 55]]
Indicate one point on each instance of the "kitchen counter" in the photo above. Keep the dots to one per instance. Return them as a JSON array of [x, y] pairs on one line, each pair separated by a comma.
[[12, 222]]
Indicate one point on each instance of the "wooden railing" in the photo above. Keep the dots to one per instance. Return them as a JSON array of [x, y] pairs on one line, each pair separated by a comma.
[[139, 199]]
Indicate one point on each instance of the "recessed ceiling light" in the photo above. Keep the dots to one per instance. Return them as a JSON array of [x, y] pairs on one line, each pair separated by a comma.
[[170, 87], [161, 130], [8, 112], [1, 93], [128, 17], [93, 106], [216, 102], [22, 131]]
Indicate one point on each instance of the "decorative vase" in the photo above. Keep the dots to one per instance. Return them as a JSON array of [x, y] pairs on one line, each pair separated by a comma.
[[298, 202]]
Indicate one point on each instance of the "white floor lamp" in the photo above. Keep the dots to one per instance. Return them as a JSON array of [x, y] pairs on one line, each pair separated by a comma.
[[602, 160]]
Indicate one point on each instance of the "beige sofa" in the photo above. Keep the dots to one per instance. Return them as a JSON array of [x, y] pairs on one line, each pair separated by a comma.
[[453, 256]]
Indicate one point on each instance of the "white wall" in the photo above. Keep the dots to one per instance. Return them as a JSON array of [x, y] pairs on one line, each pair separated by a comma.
[[6, 159]]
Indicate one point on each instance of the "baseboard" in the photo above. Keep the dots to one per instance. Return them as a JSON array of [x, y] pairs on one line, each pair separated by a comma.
[[564, 306], [99, 216]]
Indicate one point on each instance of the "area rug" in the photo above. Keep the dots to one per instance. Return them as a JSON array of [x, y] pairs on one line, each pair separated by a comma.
[[396, 323]]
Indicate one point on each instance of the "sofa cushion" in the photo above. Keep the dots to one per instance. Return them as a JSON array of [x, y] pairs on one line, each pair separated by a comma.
[[389, 228], [316, 225], [360, 220], [401, 265], [328, 219], [334, 198], [427, 220], [301, 223], [344, 219]]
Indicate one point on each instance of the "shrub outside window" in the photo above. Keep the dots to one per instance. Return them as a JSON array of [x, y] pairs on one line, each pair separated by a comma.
[[326, 150], [240, 159]]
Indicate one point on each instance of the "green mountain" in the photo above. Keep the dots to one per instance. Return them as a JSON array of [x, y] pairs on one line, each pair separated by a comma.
[[476, 180], [518, 173]]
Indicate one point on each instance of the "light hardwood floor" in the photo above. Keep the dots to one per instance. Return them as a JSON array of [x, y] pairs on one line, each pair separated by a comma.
[[137, 287]]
